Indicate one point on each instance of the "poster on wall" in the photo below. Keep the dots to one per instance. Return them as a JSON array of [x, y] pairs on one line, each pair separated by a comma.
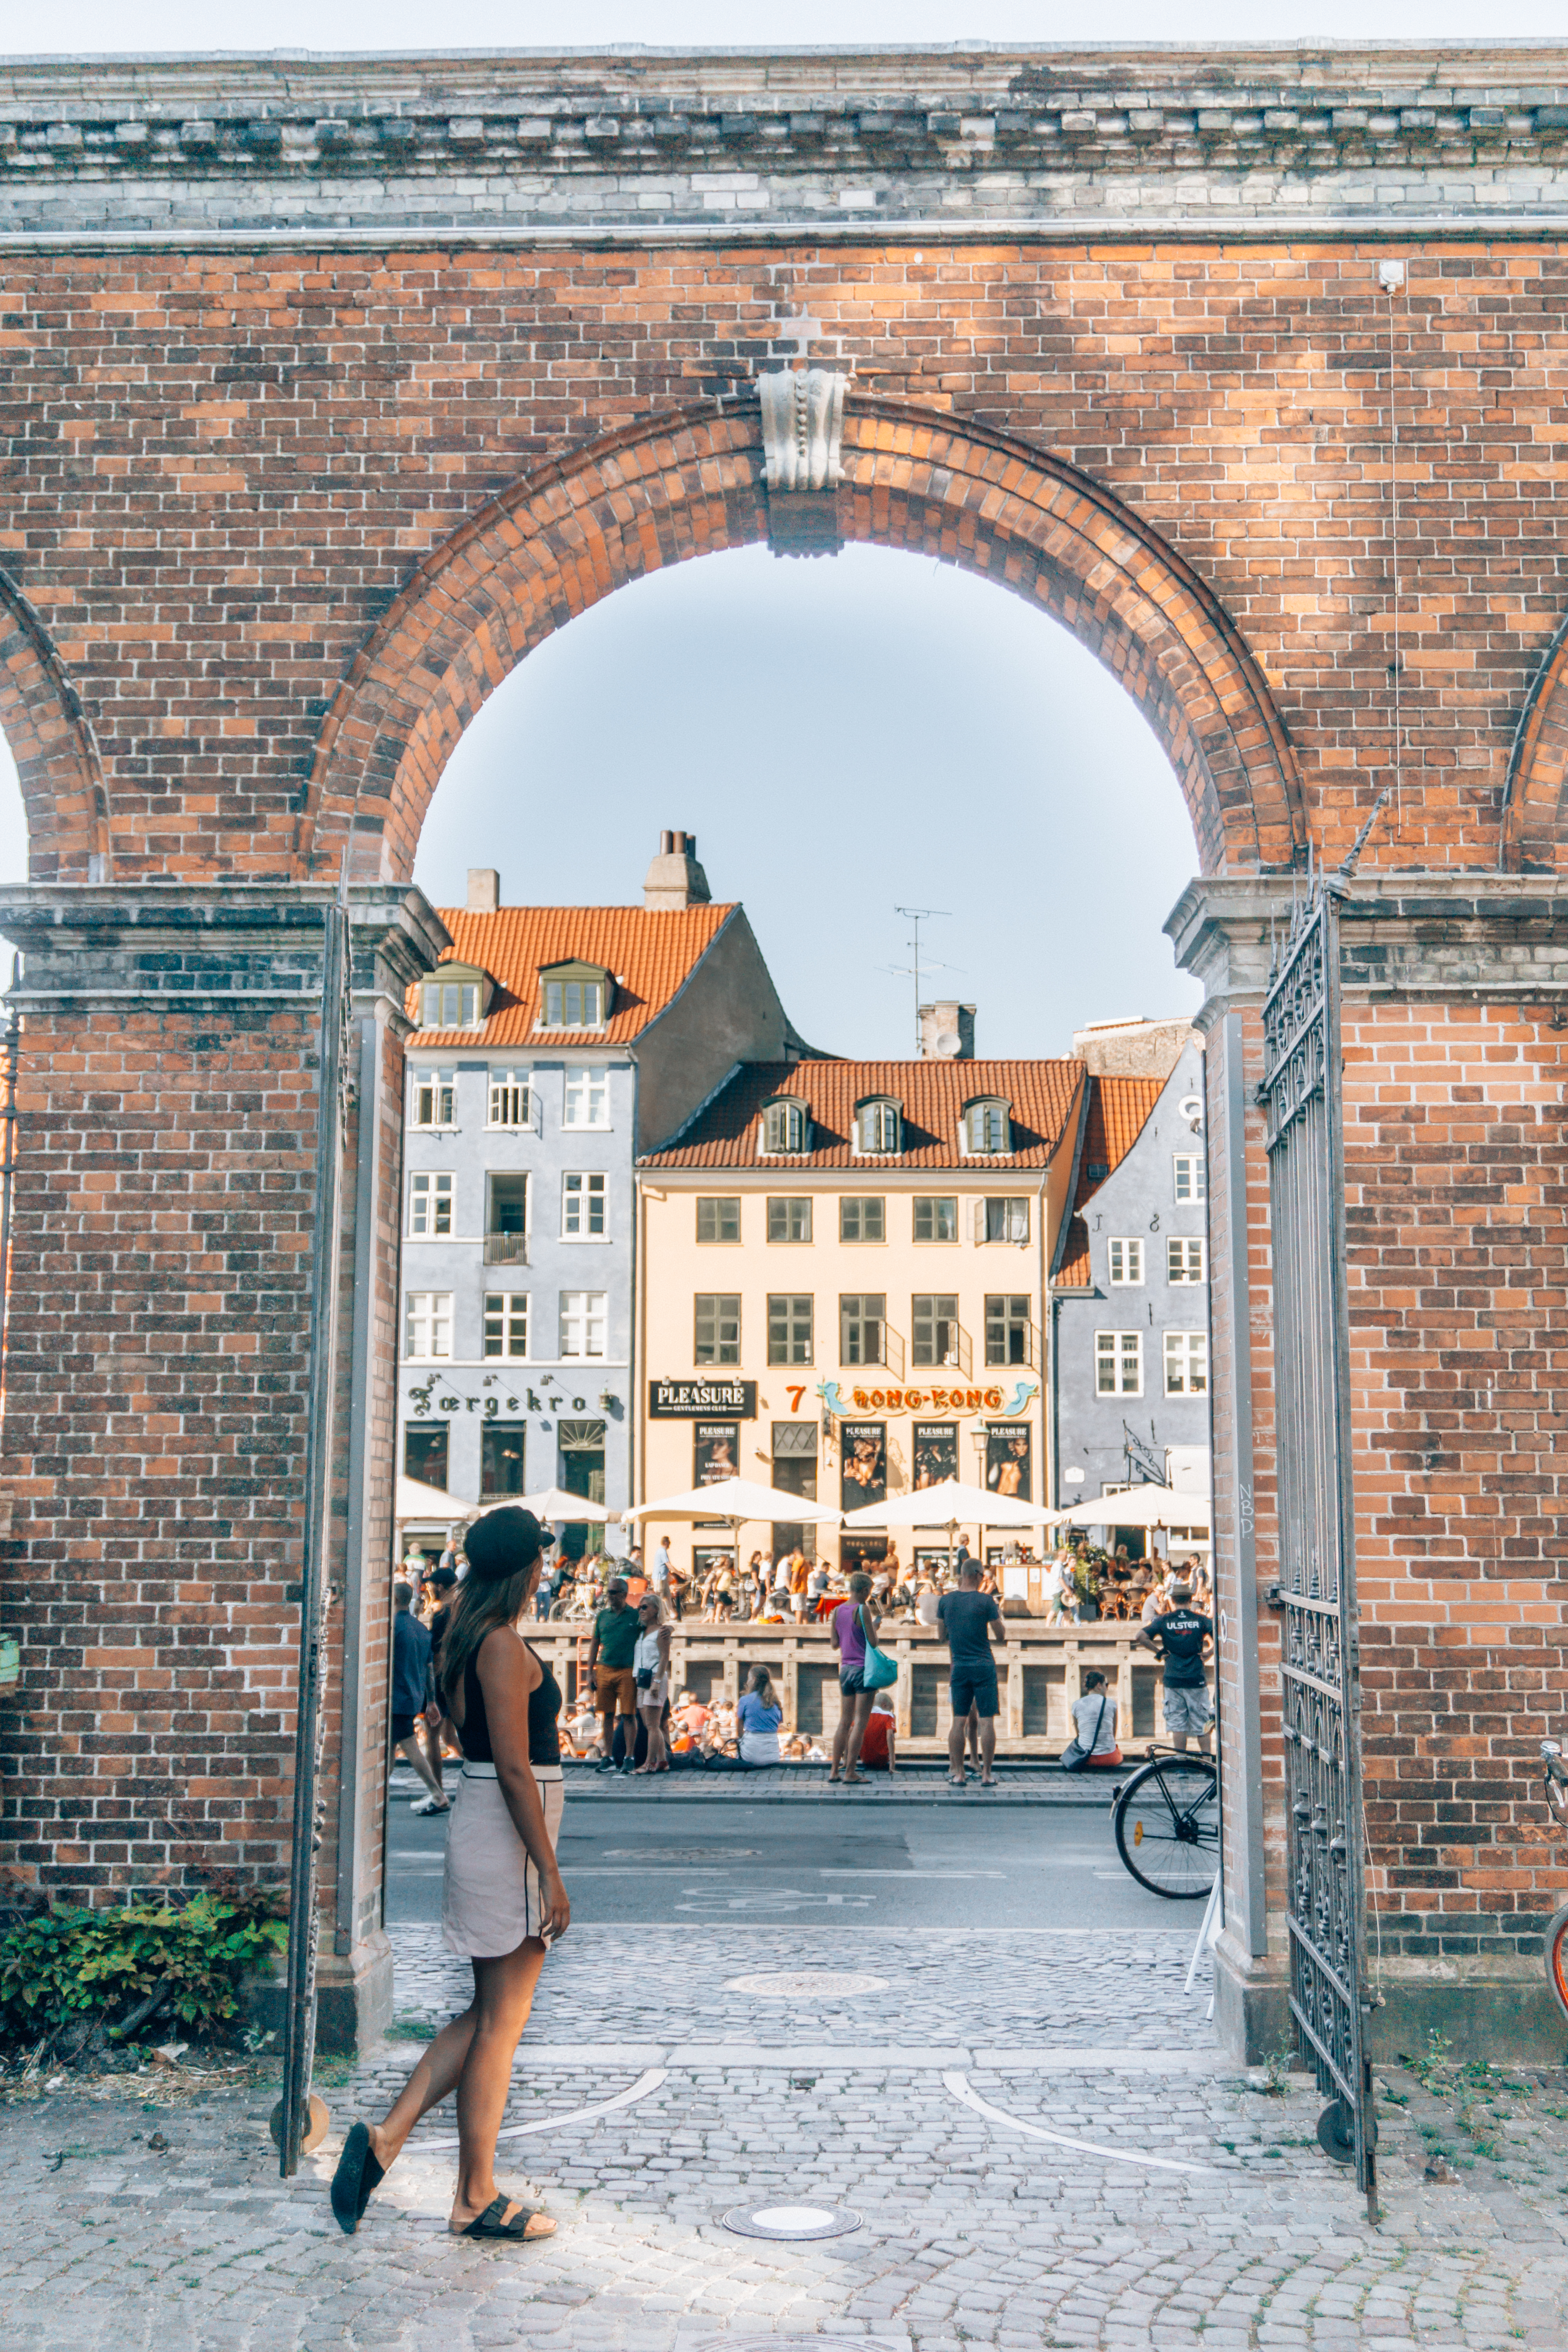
[[864, 1454], [716, 1452], [936, 1452], [1007, 1460]]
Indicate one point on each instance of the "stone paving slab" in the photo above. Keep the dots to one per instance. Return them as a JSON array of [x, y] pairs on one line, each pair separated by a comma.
[[974, 2232]]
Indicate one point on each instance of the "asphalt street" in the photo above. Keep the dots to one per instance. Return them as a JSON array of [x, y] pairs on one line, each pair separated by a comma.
[[955, 1863]]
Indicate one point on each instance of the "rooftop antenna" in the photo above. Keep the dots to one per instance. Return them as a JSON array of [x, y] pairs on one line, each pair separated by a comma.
[[919, 915]]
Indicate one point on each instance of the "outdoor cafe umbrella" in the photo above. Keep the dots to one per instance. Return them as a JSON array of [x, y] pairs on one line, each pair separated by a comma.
[[736, 1500], [948, 1503], [1141, 1506], [556, 1506], [416, 1501]]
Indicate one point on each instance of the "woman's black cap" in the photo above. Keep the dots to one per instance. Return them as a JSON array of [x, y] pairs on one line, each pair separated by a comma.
[[503, 1543]]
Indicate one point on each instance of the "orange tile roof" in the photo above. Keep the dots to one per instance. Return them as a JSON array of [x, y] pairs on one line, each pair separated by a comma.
[[1118, 1112], [725, 1135], [650, 953]]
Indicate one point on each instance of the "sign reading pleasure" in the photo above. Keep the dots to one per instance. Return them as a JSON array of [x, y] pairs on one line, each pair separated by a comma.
[[697, 1400]]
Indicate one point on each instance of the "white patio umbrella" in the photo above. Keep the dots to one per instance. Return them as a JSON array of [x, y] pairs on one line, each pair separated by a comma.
[[1141, 1507], [738, 1500], [947, 1504], [416, 1500], [561, 1509]]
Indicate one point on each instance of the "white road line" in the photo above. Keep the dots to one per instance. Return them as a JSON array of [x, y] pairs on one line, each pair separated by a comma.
[[640, 2090], [959, 2086]]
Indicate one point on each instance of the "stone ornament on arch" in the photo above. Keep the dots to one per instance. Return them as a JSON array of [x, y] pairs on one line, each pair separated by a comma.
[[803, 427], [695, 482]]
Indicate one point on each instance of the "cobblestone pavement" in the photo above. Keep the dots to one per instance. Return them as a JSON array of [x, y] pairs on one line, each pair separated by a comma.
[[973, 2231]]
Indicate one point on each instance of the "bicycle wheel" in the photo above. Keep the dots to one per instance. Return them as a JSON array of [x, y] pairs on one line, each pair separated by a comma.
[[1554, 1950], [1167, 1826]]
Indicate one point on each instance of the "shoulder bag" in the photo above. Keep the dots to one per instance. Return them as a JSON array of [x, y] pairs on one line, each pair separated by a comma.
[[881, 1668]]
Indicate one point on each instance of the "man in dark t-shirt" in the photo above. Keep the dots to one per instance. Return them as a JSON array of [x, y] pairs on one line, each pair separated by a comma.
[[971, 1620], [610, 1655], [1180, 1636]]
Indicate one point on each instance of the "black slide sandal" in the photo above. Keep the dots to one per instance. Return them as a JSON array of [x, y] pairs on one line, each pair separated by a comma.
[[352, 2183], [491, 2223]]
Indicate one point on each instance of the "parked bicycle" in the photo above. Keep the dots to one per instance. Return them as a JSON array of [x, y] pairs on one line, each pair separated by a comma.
[[1167, 1826], [1554, 1945]]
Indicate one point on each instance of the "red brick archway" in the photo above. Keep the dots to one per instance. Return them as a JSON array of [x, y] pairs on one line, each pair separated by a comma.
[[1538, 769], [52, 742], [671, 488]]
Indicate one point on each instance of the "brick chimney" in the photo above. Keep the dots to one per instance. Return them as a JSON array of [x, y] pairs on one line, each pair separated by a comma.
[[674, 879], [484, 890], [947, 1033]]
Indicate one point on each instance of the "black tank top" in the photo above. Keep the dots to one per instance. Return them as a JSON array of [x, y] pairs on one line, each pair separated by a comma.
[[543, 1707]]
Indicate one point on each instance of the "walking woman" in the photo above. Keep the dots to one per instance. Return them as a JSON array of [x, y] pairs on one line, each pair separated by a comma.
[[854, 1624], [650, 1669], [502, 1903]]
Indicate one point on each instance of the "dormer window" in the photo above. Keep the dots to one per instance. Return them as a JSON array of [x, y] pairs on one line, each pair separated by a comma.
[[783, 1125], [574, 996], [878, 1126], [457, 998], [987, 1130]]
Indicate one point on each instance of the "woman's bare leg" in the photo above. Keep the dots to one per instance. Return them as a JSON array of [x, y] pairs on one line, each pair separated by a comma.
[[847, 1700], [656, 1760], [434, 2079], [503, 1996]]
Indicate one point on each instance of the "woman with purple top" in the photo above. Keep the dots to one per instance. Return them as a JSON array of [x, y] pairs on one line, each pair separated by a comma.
[[854, 1622]]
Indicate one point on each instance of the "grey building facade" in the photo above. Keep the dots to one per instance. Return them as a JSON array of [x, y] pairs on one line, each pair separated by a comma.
[[1129, 1342]]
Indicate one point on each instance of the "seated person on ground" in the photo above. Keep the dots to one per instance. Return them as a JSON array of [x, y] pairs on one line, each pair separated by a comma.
[[878, 1747], [1093, 1743]]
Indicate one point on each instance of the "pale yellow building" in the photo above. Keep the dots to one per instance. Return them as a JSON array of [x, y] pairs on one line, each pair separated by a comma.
[[841, 1277]]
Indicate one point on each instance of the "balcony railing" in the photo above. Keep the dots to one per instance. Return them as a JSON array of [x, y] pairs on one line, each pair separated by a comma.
[[506, 1249]]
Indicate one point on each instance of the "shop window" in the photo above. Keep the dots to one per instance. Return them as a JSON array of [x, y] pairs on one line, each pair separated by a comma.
[[936, 1217], [789, 1218], [1126, 1262], [582, 1445], [862, 1217], [719, 1218], [718, 1328], [424, 1452], [502, 1459]]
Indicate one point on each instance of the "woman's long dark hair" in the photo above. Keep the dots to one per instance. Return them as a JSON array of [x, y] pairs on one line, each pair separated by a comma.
[[505, 1552]]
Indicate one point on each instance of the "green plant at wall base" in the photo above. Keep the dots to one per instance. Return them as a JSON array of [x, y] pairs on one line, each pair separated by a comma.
[[72, 1965]]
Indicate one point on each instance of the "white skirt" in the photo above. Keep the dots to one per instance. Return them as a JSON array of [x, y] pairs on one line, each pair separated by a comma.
[[491, 1898]]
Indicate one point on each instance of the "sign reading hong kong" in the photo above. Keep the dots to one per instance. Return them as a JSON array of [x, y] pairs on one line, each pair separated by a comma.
[[701, 1399], [1006, 1401]]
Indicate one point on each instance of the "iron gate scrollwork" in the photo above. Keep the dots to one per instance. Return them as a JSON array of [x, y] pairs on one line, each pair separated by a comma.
[[1317, 1558]]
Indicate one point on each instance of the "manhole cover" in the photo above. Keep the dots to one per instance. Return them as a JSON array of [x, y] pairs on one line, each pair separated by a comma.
[[681, 1852], [791, 2223], [806, 1984]]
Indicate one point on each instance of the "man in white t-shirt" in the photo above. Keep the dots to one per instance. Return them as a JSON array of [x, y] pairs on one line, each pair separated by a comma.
[[662, 1565]]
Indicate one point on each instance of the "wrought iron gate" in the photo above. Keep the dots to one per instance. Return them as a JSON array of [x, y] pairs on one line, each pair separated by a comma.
[[1316, 1536]]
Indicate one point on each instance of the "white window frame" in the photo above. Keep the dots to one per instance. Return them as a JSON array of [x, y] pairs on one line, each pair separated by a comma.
[[791, 1116], [432, 1194], [977, 1120], [1182, 1267], [1124, 1260], [509, 1097], [557, 1015], [582, 1191], [584, 1316], [441, 1086], [462, 998], [592, 1088], [428, 1327], [1119, 1351], [1190, 1179], [506, 1322], [1186, 1363], [878, 1130]]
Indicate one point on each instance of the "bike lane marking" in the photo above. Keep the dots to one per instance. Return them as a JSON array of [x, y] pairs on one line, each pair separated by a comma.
[[958, 2085]]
